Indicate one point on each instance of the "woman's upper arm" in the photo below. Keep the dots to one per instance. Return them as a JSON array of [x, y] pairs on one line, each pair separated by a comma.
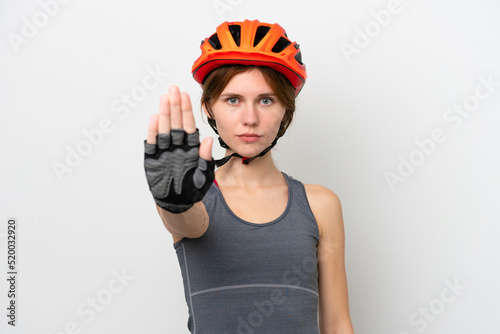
[[334, 314]]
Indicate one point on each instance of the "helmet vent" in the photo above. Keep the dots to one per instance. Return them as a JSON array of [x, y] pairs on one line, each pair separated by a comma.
[[298, 57], [260, 34], [235, 30], [281, 45], [214, 41]]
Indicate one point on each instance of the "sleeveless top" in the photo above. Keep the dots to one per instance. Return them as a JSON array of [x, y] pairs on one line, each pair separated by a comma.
[[242, 277]]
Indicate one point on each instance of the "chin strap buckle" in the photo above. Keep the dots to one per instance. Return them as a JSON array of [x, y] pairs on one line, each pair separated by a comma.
[[245, 160]]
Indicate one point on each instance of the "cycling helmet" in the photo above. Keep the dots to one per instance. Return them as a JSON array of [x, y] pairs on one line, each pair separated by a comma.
[[251, 43]]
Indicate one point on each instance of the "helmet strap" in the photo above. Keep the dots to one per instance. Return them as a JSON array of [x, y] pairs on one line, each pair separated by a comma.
[[244, 160]]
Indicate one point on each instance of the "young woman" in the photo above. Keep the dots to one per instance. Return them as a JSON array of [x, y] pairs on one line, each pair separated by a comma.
[[259, 251]]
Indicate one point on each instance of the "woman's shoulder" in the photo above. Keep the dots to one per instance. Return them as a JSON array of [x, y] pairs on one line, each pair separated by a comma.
[[325, 206], [319, 195]]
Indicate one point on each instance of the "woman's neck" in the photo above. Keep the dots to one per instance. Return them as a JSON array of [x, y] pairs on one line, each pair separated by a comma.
[[259, 172]]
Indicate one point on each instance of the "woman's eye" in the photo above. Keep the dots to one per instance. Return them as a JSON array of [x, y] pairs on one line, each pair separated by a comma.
[[232, 100], [266, 101]]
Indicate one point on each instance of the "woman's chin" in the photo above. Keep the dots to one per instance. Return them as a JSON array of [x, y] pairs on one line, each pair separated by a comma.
[[249, 152]]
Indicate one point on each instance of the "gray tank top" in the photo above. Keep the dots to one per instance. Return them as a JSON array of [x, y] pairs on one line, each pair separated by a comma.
[[242, 277]]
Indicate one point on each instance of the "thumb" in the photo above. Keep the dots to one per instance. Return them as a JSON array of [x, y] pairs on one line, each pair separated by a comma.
[[206, 148]]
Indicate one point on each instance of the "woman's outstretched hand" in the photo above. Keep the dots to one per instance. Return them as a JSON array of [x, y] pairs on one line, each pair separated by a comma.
[[179, 170]]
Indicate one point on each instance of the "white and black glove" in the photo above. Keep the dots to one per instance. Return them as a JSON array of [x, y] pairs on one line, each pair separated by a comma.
[[176, 174]]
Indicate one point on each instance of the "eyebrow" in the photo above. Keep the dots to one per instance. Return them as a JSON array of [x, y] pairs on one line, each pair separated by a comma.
[[228, 94]]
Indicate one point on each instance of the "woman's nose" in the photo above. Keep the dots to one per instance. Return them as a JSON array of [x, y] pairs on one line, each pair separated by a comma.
[[250, 116]]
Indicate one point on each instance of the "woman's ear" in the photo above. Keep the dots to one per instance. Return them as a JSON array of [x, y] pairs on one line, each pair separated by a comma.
[[205, 110], [210, 118]]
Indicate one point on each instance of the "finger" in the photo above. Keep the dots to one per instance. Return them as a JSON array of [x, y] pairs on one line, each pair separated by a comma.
[[164, 117], [206, 148], [188, 122], [175, 107], [152, 129]]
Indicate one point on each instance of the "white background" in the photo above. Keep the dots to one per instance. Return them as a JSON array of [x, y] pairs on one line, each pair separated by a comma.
[[357, 117]]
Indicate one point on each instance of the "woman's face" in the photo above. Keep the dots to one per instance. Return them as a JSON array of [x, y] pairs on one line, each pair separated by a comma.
[[248, 113]]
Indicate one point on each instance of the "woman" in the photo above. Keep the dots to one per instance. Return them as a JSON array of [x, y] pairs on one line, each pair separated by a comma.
[[259, 251]]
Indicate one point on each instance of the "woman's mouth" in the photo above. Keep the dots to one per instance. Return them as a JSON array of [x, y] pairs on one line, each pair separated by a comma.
[[249, 137]]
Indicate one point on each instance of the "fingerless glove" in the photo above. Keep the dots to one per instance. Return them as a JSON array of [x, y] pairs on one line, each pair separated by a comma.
[[176, 174]]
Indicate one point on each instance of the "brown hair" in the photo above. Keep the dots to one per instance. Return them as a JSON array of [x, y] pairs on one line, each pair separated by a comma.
[[217, 80]]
